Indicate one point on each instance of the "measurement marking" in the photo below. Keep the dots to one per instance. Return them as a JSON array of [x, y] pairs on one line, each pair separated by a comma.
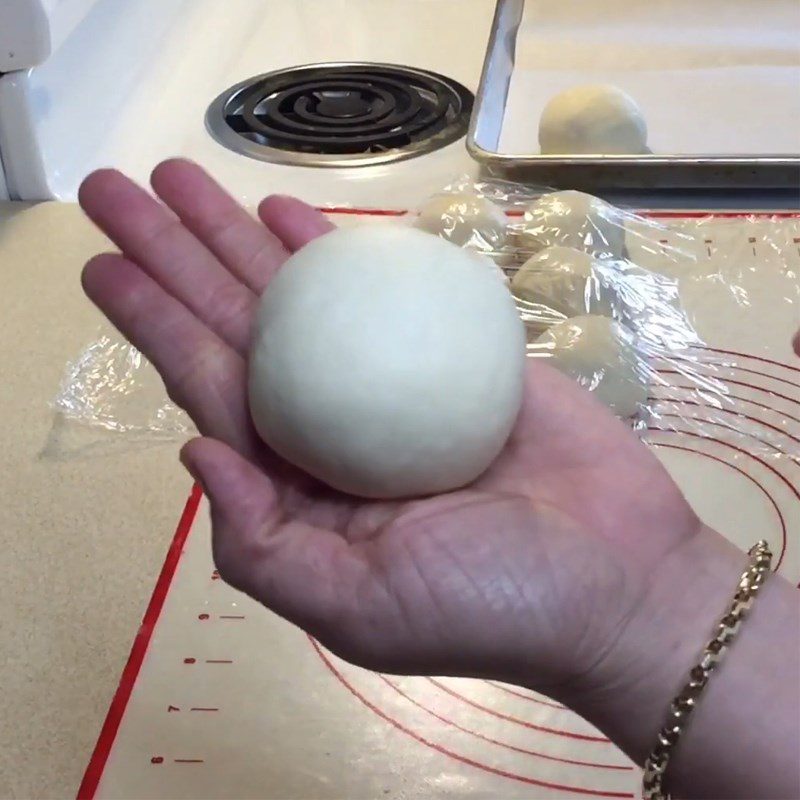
[[215, 575], [189, 761], [157, 760], [217, 661], [171, 709], [231, 616], [204, 709], [189, 660], [203, 617]]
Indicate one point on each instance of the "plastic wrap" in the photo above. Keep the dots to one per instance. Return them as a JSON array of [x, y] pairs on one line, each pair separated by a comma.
[[703, 311], [111, 386], [662, 320]]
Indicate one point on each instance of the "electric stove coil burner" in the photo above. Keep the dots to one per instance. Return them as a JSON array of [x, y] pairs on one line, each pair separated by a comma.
[[341, 115]]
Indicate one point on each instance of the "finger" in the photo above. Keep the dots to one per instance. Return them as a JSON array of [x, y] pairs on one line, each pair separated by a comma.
[[796, 343], [247, 248], [305, 574], [149, 234], [294, 222], [202, 374]]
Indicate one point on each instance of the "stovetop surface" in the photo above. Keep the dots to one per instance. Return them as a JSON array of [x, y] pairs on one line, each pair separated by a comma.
[[133, 84]]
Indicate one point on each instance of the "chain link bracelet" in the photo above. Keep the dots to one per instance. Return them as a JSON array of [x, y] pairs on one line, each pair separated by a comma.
[[682, 706]]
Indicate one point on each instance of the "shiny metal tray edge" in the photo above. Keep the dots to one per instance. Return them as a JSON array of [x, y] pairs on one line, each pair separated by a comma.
[[592, 172]]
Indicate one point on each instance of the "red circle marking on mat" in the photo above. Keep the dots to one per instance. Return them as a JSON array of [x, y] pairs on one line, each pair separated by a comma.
[[737, 368], [738, 414], [523, 696], [747, 475], [583, 737], [727, 397], [449, 753], [483, 737], [793, 461], [755, 388], [750, 356], [743, 452]]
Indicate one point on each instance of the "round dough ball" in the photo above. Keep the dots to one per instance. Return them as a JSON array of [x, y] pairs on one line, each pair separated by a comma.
[[593, 119], [467, 220], [573, 219], [600, 354], [566, 281], [387, 363]]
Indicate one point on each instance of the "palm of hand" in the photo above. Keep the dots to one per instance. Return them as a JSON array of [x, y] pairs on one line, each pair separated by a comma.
[[545, 553]]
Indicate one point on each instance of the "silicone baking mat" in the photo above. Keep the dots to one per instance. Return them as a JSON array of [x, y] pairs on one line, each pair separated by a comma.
[[221, 699]]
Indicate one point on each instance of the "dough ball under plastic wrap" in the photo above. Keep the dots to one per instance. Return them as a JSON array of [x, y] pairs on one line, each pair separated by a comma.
[[566, 281], [601, 355], [466, 220], [572, 219]]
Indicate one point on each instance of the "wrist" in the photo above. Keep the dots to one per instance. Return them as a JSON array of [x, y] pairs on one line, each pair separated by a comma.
[[629, 691], [743, 737]]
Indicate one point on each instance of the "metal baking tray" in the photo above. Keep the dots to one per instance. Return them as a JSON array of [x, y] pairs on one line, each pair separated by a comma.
[[593, 172]]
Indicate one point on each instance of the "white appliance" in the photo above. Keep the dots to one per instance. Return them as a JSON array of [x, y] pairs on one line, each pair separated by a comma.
[[126, 83], [32, 30]]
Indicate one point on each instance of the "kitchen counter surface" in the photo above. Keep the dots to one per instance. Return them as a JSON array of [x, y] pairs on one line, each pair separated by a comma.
[[83, 531]]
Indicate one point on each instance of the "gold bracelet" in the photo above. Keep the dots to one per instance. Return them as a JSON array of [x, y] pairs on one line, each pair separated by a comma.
[[682, 706]]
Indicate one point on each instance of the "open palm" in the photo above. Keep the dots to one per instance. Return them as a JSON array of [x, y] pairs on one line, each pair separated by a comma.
[[547, 553]]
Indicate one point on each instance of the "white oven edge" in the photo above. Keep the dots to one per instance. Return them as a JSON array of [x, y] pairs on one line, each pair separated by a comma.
[[24, 171], [32, 30]]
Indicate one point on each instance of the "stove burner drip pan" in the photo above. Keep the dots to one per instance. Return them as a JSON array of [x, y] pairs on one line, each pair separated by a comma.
[[340, 115]]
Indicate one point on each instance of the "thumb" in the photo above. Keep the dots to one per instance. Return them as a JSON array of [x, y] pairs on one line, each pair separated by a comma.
[[305, 574]]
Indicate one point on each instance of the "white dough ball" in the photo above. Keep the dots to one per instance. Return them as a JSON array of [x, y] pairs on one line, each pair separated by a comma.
[[566, 281], [600, 354], [467, 220], [573, 219], [593, 119], [387, 363]]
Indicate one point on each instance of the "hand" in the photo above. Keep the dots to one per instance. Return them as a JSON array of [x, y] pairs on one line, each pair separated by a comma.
[[533, 570]]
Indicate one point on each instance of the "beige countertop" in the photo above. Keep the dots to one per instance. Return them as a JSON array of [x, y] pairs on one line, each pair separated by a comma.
[[83, 532]]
